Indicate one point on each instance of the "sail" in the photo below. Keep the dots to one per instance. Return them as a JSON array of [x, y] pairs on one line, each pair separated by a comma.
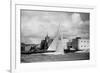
[[60, 47], [57, 44], [53, 45]]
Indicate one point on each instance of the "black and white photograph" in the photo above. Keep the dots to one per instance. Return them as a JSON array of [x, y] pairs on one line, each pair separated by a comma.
[[52, 36]]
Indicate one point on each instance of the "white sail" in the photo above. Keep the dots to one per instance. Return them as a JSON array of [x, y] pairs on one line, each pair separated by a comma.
[[57, 44], [53, 45], [60, 48]]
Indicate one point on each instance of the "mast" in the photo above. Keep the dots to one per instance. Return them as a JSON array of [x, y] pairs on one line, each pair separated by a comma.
[[57, 36]]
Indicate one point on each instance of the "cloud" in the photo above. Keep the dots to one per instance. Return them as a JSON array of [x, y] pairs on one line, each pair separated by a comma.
[[37, 24], [76, 18], [79, 27]]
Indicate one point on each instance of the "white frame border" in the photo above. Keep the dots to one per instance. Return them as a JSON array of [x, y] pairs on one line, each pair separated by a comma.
[[17, 67]]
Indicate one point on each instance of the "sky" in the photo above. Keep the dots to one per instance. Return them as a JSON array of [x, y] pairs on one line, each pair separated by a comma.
[[35, 25]]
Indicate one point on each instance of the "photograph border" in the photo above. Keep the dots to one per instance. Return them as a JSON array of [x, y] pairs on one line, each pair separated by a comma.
[[13, 62]]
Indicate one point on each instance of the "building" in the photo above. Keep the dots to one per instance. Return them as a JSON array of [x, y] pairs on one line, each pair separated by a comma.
[[80, 43], [83, 44]]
